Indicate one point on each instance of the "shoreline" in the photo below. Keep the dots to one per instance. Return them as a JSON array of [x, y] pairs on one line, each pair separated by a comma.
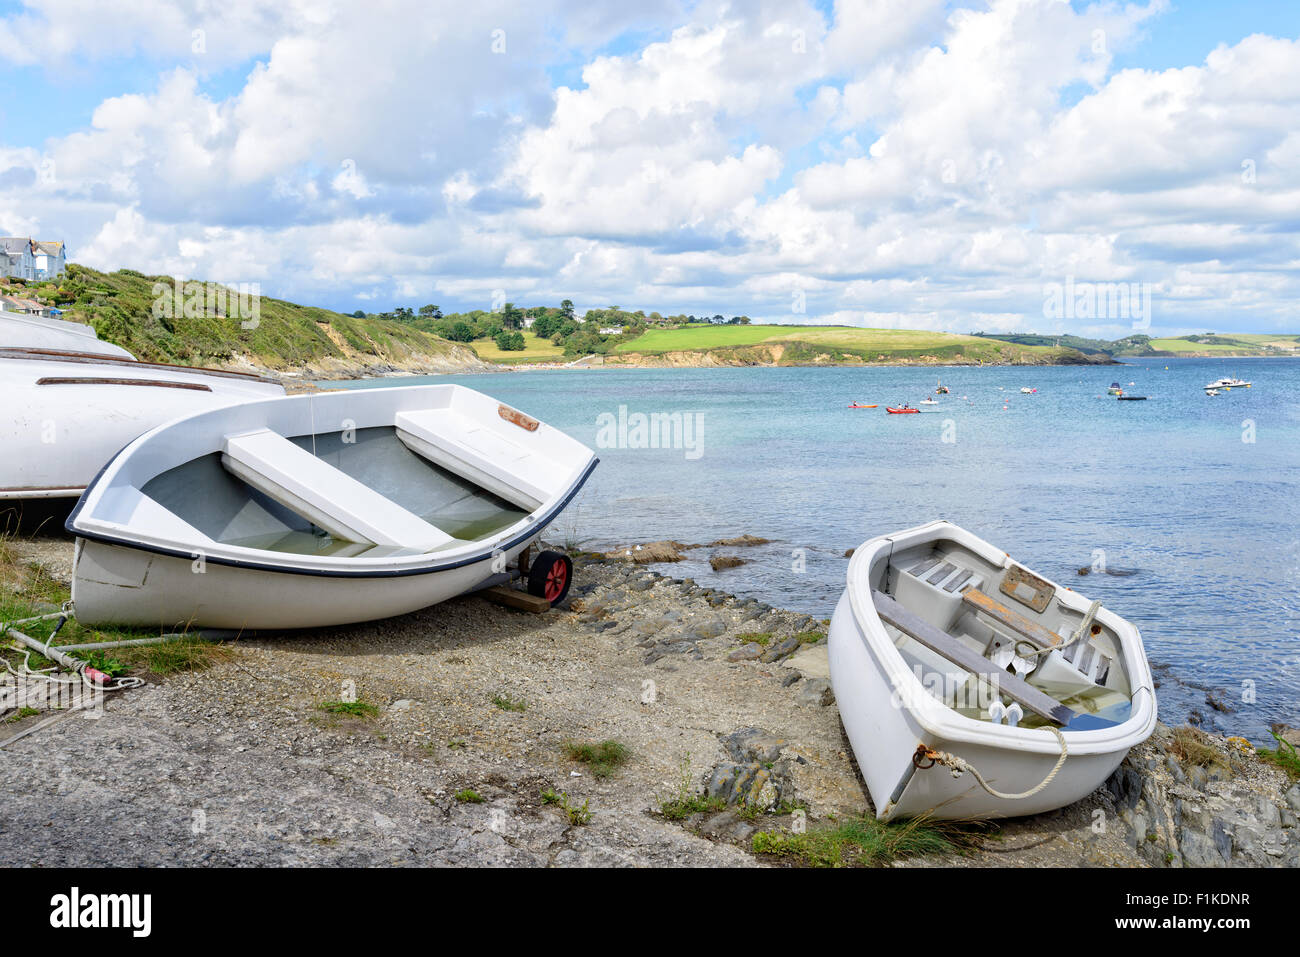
[[673, 671]]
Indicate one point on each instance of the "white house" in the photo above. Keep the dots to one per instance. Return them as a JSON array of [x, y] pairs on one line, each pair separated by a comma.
[[611, 331], [27, 258]]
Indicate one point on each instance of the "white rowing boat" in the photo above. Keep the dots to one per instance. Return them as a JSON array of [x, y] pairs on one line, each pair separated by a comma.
[[947, 656], [66, 414], [321, 509], [43, 332]]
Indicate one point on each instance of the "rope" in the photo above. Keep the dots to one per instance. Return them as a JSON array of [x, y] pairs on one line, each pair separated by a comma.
[[959, 765], [1033, 651]]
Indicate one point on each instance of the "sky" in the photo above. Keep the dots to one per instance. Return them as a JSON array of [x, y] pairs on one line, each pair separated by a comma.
[[921, 164]]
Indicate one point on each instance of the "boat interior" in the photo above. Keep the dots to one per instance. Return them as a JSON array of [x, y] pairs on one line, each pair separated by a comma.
[[963, 624], [368, 492]]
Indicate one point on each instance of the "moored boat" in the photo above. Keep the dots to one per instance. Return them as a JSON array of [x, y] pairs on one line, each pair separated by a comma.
[[1228, 382], [970, 687], [1115, 389], [67, 413], [321, 509]]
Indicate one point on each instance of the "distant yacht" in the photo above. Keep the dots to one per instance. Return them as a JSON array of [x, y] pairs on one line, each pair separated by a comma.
[[1228, 383]]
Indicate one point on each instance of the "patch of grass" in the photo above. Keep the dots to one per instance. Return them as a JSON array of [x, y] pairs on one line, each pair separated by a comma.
[[469, 796], [687, 801], [603, 757], [355, 709], [456, 744], [23, 712], [173, 657], [857, 842], [577, 815], [764, 638], [1283, 756], [506, 703], [1192, 747], [810, 637], [100, 661]]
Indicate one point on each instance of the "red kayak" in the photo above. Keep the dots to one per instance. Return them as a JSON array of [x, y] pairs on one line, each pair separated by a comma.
[[905, 410]]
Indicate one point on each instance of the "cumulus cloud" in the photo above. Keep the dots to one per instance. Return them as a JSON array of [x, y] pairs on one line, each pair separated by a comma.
[[901, 162]]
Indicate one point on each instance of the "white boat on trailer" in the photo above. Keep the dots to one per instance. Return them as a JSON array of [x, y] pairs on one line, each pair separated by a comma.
[[960, 706], [66, 414], [322, 509]]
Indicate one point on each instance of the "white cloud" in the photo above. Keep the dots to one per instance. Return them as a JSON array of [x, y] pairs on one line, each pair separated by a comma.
[[894, 161]]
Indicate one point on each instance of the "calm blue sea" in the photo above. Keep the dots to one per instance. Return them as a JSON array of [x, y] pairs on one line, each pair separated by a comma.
[[1198, 496]]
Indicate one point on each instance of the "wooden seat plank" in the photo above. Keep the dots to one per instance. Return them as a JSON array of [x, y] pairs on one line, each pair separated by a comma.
[[1030, 630], [940, 642]]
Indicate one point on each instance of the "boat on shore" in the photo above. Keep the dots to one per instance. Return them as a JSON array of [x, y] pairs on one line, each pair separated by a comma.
[[18, 331], [971, 687], [321, 509], [67, 413]]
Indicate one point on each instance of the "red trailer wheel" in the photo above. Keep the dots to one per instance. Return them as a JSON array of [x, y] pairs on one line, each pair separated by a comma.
[[550, 575]]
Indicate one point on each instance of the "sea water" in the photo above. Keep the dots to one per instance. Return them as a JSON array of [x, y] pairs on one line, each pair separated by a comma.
[[1184, 508]]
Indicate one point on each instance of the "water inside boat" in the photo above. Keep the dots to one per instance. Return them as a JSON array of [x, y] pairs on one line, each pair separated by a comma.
[[1013, 619], [203, 493]]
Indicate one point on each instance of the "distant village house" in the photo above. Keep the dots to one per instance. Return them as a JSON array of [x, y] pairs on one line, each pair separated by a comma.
[[26, 258]]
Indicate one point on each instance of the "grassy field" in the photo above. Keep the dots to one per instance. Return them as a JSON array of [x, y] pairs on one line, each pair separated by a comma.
[[1239, 344], [535, 350], [838, 342], [120, 307]]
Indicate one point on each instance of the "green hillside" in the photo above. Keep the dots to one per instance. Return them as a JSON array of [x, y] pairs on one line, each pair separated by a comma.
[[121, 307], [796, 345]]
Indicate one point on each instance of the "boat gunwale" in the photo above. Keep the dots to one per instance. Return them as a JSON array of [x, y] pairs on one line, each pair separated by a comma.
[[528, 527], [942, 722], [537, 523]]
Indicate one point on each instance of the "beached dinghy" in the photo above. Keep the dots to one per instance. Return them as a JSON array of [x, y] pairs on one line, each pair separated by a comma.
[[319, 509], [933, 622], [65, 414]]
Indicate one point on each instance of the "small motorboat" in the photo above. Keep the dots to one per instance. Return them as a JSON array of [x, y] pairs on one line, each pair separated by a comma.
[[1025, 390], [66, 414], [1115, 389], [322, 509], [971, 687], [44, 332], [901, 410], [1228, 382]]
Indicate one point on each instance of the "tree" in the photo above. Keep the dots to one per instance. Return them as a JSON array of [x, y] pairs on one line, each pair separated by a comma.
[[510, 341], [511, 317], [432, 312], [546, 326], [461, 332], [566, 308]]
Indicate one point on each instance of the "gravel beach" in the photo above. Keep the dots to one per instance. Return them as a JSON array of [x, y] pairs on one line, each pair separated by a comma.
[[474, 705]]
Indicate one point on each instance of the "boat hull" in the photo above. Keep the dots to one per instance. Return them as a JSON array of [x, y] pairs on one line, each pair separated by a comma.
[[129, 586], [885, 735], [63, 419], [887, 714]]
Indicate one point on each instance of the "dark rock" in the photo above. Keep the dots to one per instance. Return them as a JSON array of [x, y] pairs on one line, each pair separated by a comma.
[[709, 629], [727, 826], [816, 692], [719, 562], [753, 745], [782, 649], [747, 652], [790, 679]]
